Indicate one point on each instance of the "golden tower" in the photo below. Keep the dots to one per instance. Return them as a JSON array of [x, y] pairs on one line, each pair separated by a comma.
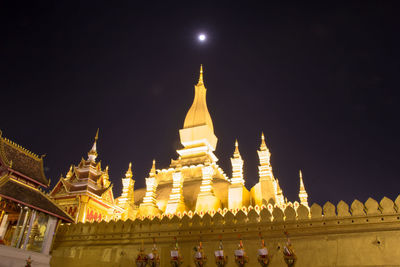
[[127, 201], [237, 190], [303, 196], [149, 205], [267, 180]]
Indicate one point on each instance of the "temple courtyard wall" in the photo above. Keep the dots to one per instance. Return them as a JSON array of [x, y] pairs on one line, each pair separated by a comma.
[[362, 234]]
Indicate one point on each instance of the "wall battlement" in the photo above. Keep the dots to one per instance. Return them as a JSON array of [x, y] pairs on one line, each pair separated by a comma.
[[360, 234]]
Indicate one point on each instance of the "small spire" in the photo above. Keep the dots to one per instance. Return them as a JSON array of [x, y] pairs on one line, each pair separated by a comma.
[[97, 135], [128, 173], [302, 188], [153, 169], [93, 152], [69, 174], [201, 75], [263, 146], [236, 153], [303, 196]]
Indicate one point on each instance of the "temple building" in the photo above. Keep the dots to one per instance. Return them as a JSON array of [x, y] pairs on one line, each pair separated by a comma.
[[194, 182], [192, 211], [28, 217], [86, 191]]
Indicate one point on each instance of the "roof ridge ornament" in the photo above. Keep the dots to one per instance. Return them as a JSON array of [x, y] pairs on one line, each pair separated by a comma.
[[93, 152]]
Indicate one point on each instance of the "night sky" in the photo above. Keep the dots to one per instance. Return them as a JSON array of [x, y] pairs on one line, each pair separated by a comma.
[[321, 81]]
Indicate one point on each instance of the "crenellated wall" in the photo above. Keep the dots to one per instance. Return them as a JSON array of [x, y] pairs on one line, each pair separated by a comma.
[[360, 234]]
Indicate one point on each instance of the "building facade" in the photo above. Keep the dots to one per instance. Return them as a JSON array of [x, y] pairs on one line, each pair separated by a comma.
[[28, 217]]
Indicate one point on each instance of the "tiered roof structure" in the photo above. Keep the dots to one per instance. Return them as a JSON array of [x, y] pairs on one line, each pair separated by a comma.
[[86, 191]]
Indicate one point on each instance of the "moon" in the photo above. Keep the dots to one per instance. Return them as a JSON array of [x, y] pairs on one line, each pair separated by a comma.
[[202, 37]]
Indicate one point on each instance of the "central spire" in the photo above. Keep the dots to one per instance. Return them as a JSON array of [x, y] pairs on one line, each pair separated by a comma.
[[197, 135], [198, 113]]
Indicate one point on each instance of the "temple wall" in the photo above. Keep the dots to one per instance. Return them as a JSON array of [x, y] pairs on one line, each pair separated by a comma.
[[364, 234]]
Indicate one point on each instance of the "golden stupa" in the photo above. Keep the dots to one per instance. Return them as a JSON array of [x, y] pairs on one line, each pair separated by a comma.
[[195, 183], [192, 183]]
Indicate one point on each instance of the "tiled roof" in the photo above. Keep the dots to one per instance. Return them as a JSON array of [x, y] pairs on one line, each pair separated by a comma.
[[31, 197], [22, 161]]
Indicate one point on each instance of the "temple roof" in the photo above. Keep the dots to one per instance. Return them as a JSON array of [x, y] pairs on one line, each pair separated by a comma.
[[23, 161], [87, 178], [29, 196], [71, 188]]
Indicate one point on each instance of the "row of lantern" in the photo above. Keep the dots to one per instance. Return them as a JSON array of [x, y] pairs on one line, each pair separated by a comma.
[[221, 259]]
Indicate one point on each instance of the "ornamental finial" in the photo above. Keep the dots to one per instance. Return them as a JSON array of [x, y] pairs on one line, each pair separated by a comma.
[[153, 169], [301, 181], [201, 75], [236, 153], [93, 152], [263, 146], [128, 173], [70, 172]]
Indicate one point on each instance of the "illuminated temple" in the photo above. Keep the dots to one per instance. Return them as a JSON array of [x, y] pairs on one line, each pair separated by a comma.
[[195, 183], [192, 211], [192, 183]]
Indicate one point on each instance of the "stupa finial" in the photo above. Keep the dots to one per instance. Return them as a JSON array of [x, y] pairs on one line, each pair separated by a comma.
[[128, 173], [263, 146], [201, 75], [302, 187], [153, 169], [236, 153]]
